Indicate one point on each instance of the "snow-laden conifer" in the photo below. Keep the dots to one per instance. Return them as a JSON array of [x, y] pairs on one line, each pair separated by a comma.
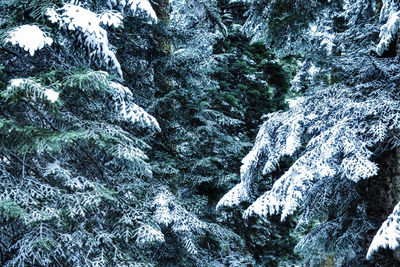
[[27, 89], [59, 191], [169, 213], [86, 23], [336, 132], [129, 110], [390, 16]]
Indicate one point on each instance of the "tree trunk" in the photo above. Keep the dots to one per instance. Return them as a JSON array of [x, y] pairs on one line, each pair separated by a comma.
[[162, 9], [165, 84], [328, 261]]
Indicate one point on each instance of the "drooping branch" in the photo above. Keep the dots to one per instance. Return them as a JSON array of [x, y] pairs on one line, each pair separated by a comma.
[[216, 19]]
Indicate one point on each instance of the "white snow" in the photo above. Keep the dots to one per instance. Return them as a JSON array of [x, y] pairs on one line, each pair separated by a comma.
[[17, 82], [234, 197], [134, 6], [313, 29], [313, 70], [33, 89], [79, 19], [388, 32], [51, 95], [388, 235], [323, 35], [327, 42], [143, 5], [294, 102], [147, 234], [390, 17], [29, 37], [110, 18], [264, 147], [129, 110]]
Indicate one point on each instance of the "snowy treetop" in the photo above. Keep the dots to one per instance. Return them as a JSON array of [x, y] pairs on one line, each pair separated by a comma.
[[78, 19], [29, 37], [91, 26]]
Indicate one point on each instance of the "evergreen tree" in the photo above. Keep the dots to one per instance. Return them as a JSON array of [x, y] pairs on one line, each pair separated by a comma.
[[193, 153], [341, 133], [75, 178]]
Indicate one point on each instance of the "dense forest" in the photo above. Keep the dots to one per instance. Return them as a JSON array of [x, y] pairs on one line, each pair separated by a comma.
[[199, 133]]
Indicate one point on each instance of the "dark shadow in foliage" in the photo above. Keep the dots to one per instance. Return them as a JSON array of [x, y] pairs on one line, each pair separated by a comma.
[[251, 81]]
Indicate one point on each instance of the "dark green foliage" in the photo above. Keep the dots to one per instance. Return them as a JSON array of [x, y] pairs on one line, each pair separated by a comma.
[[207, 125], [252, 81], [204, 130], [271, 242]]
